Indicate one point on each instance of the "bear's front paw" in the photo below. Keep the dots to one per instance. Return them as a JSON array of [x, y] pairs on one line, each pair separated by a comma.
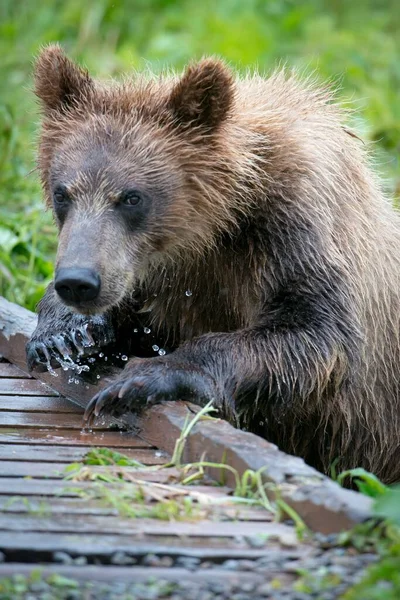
[[81, 337], [148, 381]]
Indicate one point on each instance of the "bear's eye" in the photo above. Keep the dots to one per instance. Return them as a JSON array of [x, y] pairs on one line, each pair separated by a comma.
[[131, 198], [60, 196]]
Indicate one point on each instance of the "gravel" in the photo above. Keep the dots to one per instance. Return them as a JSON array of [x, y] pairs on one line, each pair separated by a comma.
[[326, 573]]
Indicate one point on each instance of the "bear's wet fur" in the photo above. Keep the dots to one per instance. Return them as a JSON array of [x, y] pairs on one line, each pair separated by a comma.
[[238, 219]]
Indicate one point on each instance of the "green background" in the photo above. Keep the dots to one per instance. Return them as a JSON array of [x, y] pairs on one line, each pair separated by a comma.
[[354, 44]]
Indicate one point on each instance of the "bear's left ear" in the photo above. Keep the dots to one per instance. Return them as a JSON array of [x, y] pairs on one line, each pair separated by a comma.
[[59, 83], [203, 96]]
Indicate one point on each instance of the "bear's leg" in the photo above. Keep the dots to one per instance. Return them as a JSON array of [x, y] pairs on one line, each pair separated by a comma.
[[62, 334], [244, 373]]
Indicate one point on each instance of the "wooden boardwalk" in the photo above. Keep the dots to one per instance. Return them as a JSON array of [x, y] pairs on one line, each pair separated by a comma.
[[44, 521], [194, 533]]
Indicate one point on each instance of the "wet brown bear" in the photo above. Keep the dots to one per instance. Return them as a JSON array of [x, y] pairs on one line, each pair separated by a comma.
[[237, 219]]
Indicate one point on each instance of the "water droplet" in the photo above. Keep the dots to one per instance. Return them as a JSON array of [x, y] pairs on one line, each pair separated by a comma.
[[146, 329], [124, 357], [161, 352], [101, 354], [155, 348], [188, 292]]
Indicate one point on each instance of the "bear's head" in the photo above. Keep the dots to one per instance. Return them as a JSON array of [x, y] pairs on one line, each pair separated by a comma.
[[135, 172]]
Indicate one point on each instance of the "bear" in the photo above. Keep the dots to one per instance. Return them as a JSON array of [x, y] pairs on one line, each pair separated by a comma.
[[230, 232]]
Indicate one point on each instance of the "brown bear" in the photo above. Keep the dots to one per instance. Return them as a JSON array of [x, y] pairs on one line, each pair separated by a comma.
[[230, 231]]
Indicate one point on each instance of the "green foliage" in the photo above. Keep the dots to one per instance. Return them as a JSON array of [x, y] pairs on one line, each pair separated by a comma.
[[354, 44], [367, 483], [105, 456], [381, 535]]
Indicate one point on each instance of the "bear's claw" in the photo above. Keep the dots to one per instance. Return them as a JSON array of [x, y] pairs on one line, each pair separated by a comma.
[[145, 382], [54, 350]]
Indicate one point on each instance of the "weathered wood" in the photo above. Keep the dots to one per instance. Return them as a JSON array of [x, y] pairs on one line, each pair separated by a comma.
[[41, 547], [32, 419], [141, 574], [27, 387], [83, 506], [322, 504], [53, 485], [70, 454], [146, 527], [16, 327], [55, 470], [46, 404], [74, 437], [9, 370]]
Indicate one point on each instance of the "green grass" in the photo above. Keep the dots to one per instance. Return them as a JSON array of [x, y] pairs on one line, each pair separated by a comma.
[[353, 44]]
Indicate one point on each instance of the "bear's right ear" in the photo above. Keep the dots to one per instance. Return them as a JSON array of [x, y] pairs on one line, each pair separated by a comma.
[[59, 83], [203, 96]]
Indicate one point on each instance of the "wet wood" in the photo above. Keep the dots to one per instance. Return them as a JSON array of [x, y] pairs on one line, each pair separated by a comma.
[[54, 470], [322, 504], [8, 370], [71, 437], [34, 419], [38, 404], [27, 387], [70, 454]]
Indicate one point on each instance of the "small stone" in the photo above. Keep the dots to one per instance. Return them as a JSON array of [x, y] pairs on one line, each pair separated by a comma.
[[121, 558], [81, 561], [188, 562], [247, 586], [255, 541], [166, 561], [247, 565], [151, 560], [63, 558], [265, 589], [230, 565]]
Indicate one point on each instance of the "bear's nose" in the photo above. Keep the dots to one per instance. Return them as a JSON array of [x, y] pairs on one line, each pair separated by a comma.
[[75, 285]]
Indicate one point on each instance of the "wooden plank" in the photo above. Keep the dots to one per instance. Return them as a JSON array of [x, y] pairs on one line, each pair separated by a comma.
[[69, 454], [83, 506], [134, 574], [321, 503], [37, 548], [18, 486], [25, 387], [138, 544], [51, 404], [54, 470], [16, 327], [18, 419], [9, 370], [87, 524], [71, 437]]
